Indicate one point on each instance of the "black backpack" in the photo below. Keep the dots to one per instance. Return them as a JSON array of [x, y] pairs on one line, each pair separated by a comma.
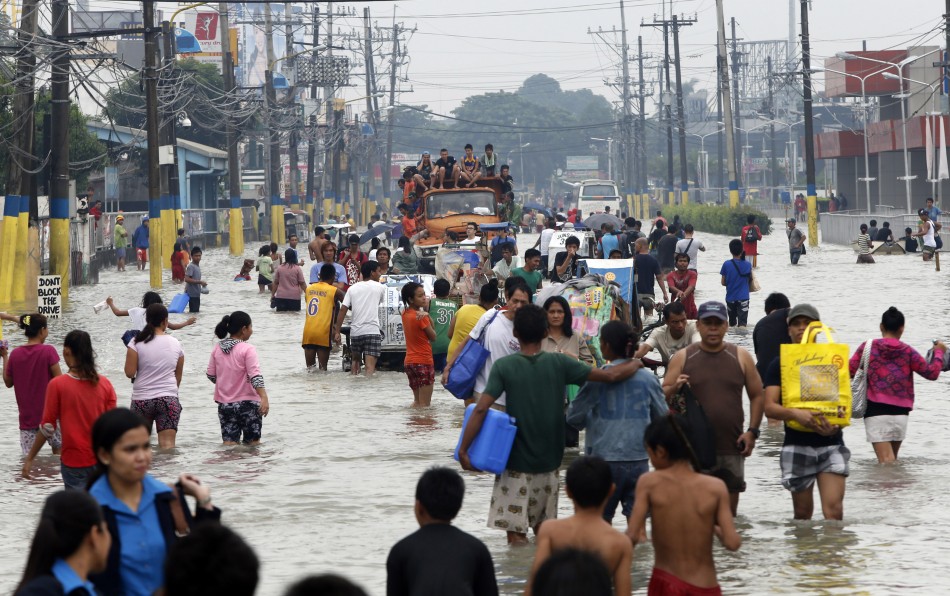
[[751, 235]]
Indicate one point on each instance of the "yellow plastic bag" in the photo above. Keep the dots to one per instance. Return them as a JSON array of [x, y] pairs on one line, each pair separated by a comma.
[[815, 377]]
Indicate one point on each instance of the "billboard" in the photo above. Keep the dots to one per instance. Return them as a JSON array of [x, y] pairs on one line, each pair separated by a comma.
[[582, 162]]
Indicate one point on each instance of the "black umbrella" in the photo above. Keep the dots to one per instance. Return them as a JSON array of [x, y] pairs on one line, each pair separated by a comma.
[[598, 219], [375, 231]]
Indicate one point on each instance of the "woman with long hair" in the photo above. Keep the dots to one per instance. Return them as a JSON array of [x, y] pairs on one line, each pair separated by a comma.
[[154, 361], [890, 376], [144, 516], [238, 384], [288, 283], [75, 399], [71, 543], [29, 369], [404, 260], [561, 336]]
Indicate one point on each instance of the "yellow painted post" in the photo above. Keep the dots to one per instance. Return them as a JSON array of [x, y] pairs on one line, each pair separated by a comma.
[[645, 205], [328, 209], [11, 215], [236, 228], [685, 197], [154, 247], [671, 196], [812, 217], [22, 238], [59, 240], [168, 234], [733, 194]]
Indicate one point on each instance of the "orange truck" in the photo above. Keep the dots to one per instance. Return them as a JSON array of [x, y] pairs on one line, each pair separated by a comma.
[[451, 209]]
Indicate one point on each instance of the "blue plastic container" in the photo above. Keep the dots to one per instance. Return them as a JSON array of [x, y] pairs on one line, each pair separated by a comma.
[[178, 303], [491, 448]]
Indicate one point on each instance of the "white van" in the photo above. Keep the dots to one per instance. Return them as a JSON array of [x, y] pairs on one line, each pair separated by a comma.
[[593, 196]]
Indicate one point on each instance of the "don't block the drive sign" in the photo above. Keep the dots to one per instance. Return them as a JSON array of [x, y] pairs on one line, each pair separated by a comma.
[[49, 291]]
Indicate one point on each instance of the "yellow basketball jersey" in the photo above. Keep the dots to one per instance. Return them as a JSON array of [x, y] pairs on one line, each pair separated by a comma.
[[320, 301]]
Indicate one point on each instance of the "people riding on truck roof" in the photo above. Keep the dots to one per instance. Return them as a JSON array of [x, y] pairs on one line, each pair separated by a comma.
[[445, 169], [423, 175], [470, 170], [487, 162]]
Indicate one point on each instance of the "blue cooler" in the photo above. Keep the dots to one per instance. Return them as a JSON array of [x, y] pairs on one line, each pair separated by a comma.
[[178, 303], [491, 448]]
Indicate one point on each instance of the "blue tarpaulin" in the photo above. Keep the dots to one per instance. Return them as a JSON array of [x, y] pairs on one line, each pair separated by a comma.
[[619, 271]]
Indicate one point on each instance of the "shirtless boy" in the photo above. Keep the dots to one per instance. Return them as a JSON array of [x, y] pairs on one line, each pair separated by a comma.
[[589, 485], [686, 507], [316, 245]]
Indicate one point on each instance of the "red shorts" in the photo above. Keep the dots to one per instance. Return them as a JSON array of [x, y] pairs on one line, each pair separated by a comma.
[[420, 375], [664, 583], [142, 254]]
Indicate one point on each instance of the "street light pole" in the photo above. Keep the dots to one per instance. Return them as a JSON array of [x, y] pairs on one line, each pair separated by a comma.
[[610, 155], [933, 112]]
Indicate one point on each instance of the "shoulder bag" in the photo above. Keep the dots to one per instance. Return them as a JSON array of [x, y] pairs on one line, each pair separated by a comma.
[[859, 384], [465, 369], [753, 282]]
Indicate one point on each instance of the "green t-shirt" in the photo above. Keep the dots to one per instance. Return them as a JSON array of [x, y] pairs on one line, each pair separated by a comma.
[[120, 238], [441, 311], [265, 266], [533, 278], [534, 390]]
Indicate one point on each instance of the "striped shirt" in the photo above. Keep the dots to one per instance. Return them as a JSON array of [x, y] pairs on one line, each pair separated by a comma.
[[864, 244]]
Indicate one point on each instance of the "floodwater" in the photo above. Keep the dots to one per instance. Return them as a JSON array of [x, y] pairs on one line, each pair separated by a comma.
[[331, 487]]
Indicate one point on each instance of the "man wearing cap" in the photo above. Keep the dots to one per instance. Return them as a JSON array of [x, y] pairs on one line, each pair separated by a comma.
[[927, 230], [807, 457], [120, 240], [796, 241], [140, 242], [717, 372]]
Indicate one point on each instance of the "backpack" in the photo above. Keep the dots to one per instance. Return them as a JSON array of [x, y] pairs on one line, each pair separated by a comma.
[[751, 235]]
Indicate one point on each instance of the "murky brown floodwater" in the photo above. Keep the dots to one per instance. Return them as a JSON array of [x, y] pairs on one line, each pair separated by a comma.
[[331, 488]]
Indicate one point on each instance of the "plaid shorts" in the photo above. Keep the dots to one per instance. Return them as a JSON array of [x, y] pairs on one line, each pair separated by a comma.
[[420, 375], [240, 417], [165, 412], [367, 345], [801, 464]]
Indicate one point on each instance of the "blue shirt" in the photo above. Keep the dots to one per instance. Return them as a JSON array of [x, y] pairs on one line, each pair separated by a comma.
[[934, 212], [608, 243], [315, 272], [143, 548], [140, 237], [67, 578], [737, 274], [617, 414]]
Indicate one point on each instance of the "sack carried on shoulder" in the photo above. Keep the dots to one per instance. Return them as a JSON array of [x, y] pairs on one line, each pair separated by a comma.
[[815, 377]]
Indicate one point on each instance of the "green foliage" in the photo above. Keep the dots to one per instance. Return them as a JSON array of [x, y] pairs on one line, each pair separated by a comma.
[[86, 153], [718, 219]]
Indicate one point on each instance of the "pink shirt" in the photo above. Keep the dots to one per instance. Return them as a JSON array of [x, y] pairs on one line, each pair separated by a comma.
[[235, 371], [29, 366], [157, 362], [288, 278], [890, 371]]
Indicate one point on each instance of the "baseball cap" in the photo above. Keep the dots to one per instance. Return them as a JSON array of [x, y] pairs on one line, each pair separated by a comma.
[[424, 153], [803, 310], [713, 309], [922, 212], [790, 220], [145, 218], [120, 218]]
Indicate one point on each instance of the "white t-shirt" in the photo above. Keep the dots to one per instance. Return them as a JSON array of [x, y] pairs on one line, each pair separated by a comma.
[[158, 359], [662, 341], [499, 341], [546, 235], [137, 316], [363, 300], [693, 251]]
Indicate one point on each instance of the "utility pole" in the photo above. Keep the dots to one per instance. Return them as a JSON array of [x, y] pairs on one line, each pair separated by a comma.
[[17, 207], [737, 113], [150, 75], [236, 228], [274, 169], [809, 133], [666, 110], [387, 166], [316, 204], [727, 108], [628, 161], [719, 150], [773, 163], [680, 115], [645, 198], [293, 158], [329, 126], [371, 113], [170, 198]]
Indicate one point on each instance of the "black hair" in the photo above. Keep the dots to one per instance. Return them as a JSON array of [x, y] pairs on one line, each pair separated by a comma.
[[659, 224], [211, 559], [505, 167], [672, 229], [232, 323], [329, 243], [327, 584], [273, 247], [327, 272], [443, 149], [886, 224], [440, 491], [177, 247], [567, 326], [621, 337], [374, 243], [531, 324], [573, 572], [150, 298], [353, 239], [32, 324], [489, 293], [319, 230], [264, 251], [155, 315], [384, 249], [405, 244], [408, 292], [489, 146], [106, 432], [673, 308], [181, 231], [629, 222], [892, 320], [613, 252], [513, 284], [873, 222], [293, 236], [531, 253], [681, 255], [471, 223], [65, 521], [80, 345], [735, 247], [775, 301], [441, 287], [195, 250], [688, 228], [864, 227], [750, 219], [670, 432], [367, 268], [468, 146], [589, 479], [572, 240], [290, 256]]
